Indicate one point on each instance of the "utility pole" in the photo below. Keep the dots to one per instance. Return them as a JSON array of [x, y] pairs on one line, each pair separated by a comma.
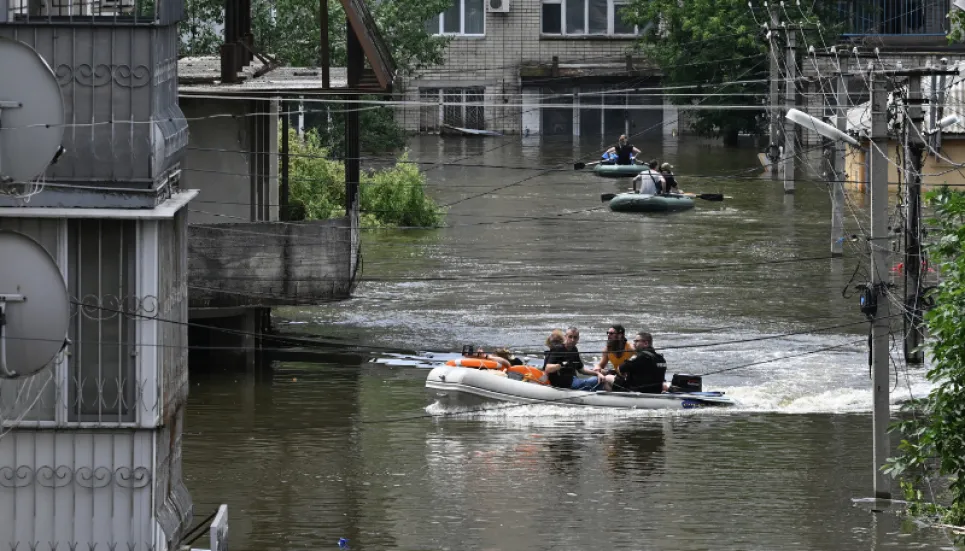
[[877, 294], [914, 147], [774, 134], [790, 100], [838, 175]]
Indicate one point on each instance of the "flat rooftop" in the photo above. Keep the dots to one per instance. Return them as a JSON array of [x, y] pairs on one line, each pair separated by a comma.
[[202, 75]]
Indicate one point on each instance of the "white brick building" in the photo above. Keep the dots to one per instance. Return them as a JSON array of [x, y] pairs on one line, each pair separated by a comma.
[[538, 67]]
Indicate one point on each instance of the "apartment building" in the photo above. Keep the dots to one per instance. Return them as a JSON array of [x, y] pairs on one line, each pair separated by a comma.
[[538, 67]]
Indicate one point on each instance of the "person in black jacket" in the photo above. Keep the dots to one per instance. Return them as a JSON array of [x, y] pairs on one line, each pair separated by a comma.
[[644, 372], [563, 363]]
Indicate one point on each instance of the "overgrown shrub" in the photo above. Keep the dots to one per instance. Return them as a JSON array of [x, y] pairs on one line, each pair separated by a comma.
[[393, 196], [933, 428]]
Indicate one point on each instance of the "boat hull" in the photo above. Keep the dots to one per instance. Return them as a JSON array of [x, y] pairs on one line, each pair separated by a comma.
[[635, 202], [618, 171], [467, 387]]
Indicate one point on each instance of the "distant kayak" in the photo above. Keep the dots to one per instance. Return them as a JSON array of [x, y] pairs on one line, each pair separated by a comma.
[[618, 171], [635, 202]]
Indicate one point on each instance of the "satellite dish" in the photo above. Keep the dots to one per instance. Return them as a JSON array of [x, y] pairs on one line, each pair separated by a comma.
[[34, 308], [31, 113]]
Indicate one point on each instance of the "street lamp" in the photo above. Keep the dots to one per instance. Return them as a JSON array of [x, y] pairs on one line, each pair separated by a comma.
[[807, 121], [948, 120]]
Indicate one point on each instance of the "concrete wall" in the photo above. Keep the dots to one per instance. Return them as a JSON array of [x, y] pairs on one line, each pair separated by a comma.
[[269, 264], [493, 61], [231, 160], [936, 171]]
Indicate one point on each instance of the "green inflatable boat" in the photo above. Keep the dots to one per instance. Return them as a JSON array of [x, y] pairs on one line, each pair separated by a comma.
[[634, 202], [618, 171]]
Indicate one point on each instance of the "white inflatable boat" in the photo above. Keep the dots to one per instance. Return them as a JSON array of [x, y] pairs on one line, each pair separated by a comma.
[[467, 387]]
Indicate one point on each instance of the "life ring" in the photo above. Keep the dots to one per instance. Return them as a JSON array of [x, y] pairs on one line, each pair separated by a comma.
[[529, 373], [477, 363]]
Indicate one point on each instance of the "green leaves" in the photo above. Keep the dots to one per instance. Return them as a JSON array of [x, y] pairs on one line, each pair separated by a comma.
[[290, 29], [394, 196], [933, 428], [711, 44]]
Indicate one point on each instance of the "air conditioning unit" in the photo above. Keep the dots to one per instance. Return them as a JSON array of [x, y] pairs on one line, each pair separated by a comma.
[[497, 6]]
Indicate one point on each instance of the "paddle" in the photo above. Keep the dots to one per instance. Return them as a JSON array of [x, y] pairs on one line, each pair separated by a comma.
[[604, 197]]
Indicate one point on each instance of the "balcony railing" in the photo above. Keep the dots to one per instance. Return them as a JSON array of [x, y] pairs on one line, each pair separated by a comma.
[[894, 17], [106, 12]]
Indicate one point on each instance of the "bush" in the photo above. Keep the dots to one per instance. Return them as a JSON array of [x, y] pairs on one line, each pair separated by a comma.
[[934, 432], [390, 197]]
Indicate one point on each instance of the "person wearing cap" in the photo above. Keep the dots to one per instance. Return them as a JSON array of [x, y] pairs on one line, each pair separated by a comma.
[[669, 181], [624, 151]]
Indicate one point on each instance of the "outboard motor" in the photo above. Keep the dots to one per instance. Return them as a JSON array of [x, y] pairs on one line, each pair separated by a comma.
[[686, 383]]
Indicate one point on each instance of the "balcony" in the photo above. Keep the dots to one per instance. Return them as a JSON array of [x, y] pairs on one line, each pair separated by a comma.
[[91, 12], [888, 19]]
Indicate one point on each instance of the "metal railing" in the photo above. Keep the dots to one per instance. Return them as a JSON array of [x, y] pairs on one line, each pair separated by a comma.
[[894, 17], [106, 12]]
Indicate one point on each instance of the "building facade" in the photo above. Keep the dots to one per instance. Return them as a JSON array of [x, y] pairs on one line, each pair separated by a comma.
[[538, 67], [90, 447]]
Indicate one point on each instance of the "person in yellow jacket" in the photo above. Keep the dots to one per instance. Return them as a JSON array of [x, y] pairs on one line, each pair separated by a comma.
[[618, 350]]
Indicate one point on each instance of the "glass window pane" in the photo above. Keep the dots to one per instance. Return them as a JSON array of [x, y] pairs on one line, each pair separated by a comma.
[[452, 108], [552, 18], [432, 25], [619, 26], [452, 18], [575, 17], [475, 17], [598, 16]]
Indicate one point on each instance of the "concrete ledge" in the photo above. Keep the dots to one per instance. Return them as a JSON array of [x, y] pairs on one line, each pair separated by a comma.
[[269, 263]]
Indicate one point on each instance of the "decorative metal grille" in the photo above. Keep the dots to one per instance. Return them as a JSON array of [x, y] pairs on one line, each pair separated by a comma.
[[101, 268], [429, 114], [895, 17]]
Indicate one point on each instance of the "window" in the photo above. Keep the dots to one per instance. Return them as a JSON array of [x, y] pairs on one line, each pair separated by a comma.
[[101, 273], [465, 17], [585, 17], [456, 107]]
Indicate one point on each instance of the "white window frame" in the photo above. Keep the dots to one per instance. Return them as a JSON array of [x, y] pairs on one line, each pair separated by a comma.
[[612, 6], [439, 95], [462, 22]]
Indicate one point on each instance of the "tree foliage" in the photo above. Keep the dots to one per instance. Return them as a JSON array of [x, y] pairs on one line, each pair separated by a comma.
[[933, 428], [290, 30], [394, 196], [706, 45]]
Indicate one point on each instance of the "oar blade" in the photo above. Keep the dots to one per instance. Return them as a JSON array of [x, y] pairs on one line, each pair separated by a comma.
[[579, 166], [604, 197], [710, 196]]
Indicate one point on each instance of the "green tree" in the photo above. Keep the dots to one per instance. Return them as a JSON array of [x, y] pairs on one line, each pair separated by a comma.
[[394, 196], [707, 44], [289, 29], [933, 428]]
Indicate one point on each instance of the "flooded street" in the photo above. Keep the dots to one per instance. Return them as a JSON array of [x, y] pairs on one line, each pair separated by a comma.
[[742, 291]]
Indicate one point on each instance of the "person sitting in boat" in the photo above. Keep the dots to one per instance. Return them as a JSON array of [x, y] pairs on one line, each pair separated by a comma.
[[618, 350], [623, 152], [563, 362], [505, 354], [669, 181], [649, 181], [644, 372], [469, 351]]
